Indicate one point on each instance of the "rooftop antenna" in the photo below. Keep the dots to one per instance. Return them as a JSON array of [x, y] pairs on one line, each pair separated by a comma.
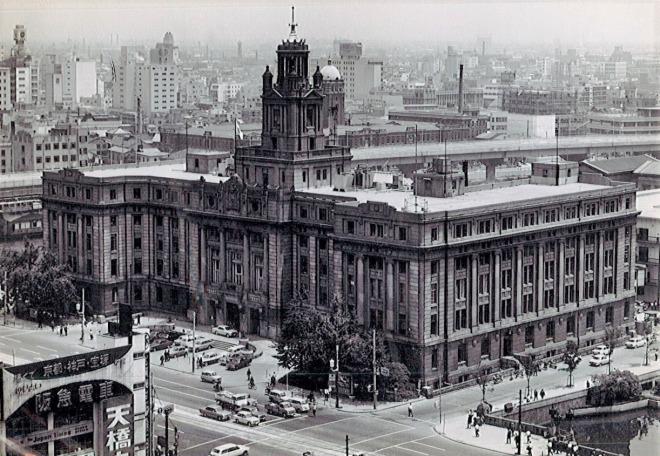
[[293, 25]]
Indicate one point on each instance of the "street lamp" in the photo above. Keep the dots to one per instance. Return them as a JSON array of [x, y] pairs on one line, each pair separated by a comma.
[[334, 367]]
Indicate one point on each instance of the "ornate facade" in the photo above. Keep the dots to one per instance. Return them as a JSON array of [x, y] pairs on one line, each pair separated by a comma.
[[456, 278]]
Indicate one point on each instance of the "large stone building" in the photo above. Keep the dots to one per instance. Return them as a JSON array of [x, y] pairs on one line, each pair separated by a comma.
[[456, 277]]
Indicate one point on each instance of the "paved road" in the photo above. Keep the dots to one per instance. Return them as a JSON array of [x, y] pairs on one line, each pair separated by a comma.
[[388, 432]]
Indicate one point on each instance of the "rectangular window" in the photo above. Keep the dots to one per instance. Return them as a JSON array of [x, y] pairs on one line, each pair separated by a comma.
[[434, 234], [137, 193], [137, 243], [434, 324], [403, 233], [113, 267], [529, 335], [609, 315], [460, 319], [137, 220], [403, 328], [461, 353], [137, 266], [113, 242], [590, 320], [434, 358], [350, 227], [485, 347], [550, 330]]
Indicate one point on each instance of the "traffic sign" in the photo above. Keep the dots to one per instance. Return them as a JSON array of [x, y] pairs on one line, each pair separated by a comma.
[[385, 371]]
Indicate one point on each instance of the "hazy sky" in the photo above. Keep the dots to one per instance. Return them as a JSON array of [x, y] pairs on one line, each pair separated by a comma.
[[541, 21]]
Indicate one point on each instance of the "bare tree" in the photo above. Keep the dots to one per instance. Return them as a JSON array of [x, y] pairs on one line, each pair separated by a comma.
[[571, 359], [612, 335]]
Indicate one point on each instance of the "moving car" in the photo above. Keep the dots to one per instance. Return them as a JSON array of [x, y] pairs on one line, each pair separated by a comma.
[[237, 363], [177, 351], [225, 331], [598, 360], [278, 395], [235, 349], [183, 339], [299, 404], [210, 357], [635, 341], [601, 350], [159, 344], [210, 376], [254, 411], [215, 412], [283, 409], [200, 344], [229, 449], [246, 418]]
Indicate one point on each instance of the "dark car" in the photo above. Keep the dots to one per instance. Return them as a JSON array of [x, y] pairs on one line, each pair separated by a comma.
[[282, 409], [238, 362], [173, 335], [160, 344]]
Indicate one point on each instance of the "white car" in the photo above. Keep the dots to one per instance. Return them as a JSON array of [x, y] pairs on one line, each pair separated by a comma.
[[177, 351], [598, 360], [601, 350], [184, 339], [201, 344], [235, 349], [635, 341], [211, 357], [301, 405], [246, 418], [210, 376], [229, 449], [225, 331]]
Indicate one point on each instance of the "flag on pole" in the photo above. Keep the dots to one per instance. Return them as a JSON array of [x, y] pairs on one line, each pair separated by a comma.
[[239, 132]]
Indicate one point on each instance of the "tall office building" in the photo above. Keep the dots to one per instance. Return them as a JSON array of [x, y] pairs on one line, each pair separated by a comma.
[[360, 74], [460, 276], [16, 83]]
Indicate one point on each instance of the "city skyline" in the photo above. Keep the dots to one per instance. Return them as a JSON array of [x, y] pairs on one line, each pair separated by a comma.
[[546, 22]]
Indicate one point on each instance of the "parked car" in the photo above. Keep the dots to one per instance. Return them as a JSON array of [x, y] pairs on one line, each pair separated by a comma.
[[177, 351], [598, 360], [283, 409], [254, 410], [159, 344], [215, 412], [210, 357], [200, 344], [183, 339], [601, 350], [235, 349], [299, 404], [229, 449], [237, 363], [635, 341], [225, 331], [210, 376], [278, 395], [172, 335], [243, 417]]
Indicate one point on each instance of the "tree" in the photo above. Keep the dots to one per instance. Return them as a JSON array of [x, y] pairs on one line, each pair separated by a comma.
[[612, 335], [482, 380], [530, 367], [36, 280], [647, 332], [571, 359], [619, 386]]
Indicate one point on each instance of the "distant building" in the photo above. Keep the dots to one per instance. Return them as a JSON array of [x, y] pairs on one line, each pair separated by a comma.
[[457, 127], [645, 122], [360, 74], [538, 102], [16, 83], [333, 89], [619, 169], [648, 246]]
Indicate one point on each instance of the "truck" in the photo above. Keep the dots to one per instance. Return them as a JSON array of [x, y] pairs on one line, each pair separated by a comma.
[[234, 401]]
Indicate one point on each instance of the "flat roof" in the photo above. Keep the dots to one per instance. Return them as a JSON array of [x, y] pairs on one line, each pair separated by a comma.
[[158, 169], [404, 200], [648, 201], [501, 145]]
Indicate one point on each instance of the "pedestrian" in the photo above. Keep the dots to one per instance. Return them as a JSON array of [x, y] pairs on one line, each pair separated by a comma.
[[542, 393], [476, 430], [588, 384], [516, 438], [410, 410], [469, 419], [326, 396], [656, 356], [536, 395], [66, 330], [249, 374], [508, 434], [529, 437], [61, 330], [314, 408], [549, 447], [272, 380], [529, 450], [162, 360]]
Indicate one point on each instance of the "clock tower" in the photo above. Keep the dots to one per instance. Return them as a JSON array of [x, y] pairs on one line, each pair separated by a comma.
[[294, 152]]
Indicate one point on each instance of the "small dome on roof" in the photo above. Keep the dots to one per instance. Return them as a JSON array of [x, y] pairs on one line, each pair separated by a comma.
[[330, 72]]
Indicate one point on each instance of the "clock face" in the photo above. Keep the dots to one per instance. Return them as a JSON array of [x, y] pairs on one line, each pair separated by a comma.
[[22, 34]]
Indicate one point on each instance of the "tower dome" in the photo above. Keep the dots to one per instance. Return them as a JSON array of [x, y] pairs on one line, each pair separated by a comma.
[[330, 72]]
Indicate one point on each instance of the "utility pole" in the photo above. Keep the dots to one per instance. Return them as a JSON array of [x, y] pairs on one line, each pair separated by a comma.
[[337, 384], [519, 421], [346, 444], [374, 365], [6, 290], [82, 323], [193, 347]]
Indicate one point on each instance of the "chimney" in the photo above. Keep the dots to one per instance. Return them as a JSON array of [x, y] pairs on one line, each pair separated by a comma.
[[460, 89]]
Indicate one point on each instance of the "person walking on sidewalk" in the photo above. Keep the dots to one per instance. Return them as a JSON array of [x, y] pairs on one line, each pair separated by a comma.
[[249, 374], [162, 360], [66, 330], [314, 408], [529, 450], [469, 419], [536, 395], [529, 437], [542, 393], [549, 447], [476, 430], [410, 410], [508, 434]]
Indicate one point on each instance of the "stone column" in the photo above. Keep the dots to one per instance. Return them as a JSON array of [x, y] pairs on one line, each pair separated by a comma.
[[313, 271], [247, 276], [518, 285], [559, 281], [359, 284], [580, 270], [600, 267], [61, 236], [497, 288], [203, 274], [389, 295], [541, 278], [80, 245], [223, 254], [474, 292]]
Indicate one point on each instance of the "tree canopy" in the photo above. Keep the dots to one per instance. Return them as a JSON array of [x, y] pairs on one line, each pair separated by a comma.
[[36, 280], [619, 386]]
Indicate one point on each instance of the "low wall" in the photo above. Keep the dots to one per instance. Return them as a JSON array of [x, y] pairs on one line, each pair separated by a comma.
[[539, 411], [626, 407]]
